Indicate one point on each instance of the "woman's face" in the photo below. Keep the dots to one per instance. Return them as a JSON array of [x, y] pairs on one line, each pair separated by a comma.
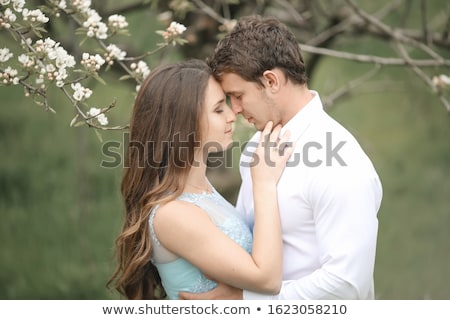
[[217, 119]]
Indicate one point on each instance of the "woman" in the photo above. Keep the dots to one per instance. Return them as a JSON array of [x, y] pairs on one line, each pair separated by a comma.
[[179, 232]]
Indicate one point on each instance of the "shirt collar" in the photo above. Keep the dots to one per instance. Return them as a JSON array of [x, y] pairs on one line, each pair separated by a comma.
[[302, 119]]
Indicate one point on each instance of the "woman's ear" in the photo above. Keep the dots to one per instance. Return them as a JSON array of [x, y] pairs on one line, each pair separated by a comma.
[[271, 79]]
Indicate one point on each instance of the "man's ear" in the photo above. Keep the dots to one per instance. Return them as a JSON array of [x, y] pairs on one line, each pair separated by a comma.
[[271, 79]]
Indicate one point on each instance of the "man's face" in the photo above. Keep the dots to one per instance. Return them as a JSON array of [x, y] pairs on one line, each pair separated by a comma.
[[249, 99]]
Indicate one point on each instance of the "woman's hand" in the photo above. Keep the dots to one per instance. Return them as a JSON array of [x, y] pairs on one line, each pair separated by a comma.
[[271, 155]]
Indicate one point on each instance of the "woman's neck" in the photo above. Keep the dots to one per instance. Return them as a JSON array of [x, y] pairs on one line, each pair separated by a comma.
[[197, 182]]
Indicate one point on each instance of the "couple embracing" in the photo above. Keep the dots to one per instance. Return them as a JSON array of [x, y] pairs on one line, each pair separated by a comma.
[[300, 229]]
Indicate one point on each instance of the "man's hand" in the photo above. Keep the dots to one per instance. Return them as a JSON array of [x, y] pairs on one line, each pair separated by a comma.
[[221, 292]]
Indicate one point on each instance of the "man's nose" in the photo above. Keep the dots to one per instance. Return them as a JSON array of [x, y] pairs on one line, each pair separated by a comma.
[[236, 107]]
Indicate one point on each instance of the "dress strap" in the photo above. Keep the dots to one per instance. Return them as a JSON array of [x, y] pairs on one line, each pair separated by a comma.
[[152, 229]]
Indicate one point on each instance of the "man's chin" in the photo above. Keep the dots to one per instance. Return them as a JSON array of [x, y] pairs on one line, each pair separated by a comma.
[[259, 126]]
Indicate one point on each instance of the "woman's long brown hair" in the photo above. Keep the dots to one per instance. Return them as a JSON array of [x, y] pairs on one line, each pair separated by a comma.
[[164, 132]]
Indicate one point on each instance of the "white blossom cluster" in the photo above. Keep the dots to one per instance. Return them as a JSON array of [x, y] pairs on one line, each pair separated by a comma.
[[441, 81], [117, 22], [92, 63], [26, 61], [5, 54], [95, 27], [176, 28], [80, 92], [6, 18], [140, 69], [34, 16], [173, 31], [114, 52], [9, 75], [44, 62], [54, 61], [97, 114], [17, 4], [82, 6]]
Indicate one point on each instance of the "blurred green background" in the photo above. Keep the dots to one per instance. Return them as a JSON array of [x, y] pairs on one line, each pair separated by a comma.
[[61, 211]]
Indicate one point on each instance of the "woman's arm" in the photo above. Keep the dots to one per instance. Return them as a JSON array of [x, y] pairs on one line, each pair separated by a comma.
[[187, 230]]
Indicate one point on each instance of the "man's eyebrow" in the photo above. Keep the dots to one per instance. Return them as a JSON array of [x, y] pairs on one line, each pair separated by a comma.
[[232, 92]]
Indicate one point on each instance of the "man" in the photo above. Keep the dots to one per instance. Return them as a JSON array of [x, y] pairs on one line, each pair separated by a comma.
[[329, 194]]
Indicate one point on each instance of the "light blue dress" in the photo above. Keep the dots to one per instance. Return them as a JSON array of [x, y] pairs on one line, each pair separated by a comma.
[[176, 273]]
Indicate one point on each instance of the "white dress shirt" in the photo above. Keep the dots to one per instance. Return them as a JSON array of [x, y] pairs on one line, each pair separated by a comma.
[[329, 196]]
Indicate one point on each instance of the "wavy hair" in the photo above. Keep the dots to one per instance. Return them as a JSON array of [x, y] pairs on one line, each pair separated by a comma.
[[164, 129]]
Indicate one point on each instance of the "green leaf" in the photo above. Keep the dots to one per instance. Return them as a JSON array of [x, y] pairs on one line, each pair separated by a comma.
[[37, 33], [79, 124], [181, 41], [74, 120], [99, 79], [48, 108], [99, 136], [83, 41], [41, 29], [125, 77]]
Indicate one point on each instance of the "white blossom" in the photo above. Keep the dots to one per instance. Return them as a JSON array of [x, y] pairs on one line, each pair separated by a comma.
[[114, 52], [9, 76], [94, 25], [49, 68], [40, 79], [174, 30], [60, 75], [56, 61], [102, 119], [95, 112], [25, 60], [82, 5], [117, 22], [441, 81], [91, 62], [5, 54], [18, 5], [141, 69], [63, 59], [26, 42], [34, 16], [7, 17], [62, 4], [80, 92]]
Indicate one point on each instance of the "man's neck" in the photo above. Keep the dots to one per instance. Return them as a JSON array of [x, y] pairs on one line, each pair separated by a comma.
[[295, 99]]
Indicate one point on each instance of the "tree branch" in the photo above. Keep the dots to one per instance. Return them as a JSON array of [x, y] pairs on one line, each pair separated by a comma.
[[331, 98], [422, 75], [373, 59]]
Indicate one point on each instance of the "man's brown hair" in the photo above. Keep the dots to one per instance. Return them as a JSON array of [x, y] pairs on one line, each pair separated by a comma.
[[257, 44]]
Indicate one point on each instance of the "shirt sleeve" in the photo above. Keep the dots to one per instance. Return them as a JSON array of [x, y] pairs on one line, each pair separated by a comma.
[[345, 214]]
